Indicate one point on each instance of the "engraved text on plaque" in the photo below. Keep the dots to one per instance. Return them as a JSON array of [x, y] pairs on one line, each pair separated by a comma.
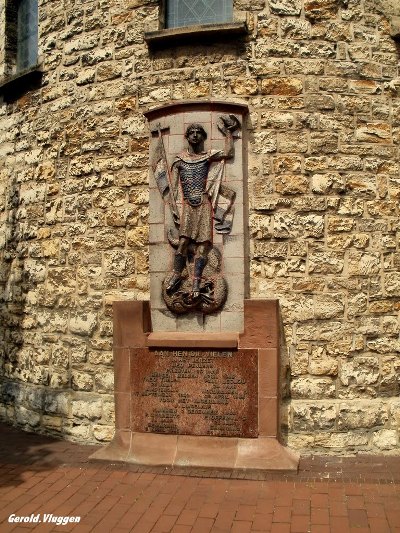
[[195, 392]]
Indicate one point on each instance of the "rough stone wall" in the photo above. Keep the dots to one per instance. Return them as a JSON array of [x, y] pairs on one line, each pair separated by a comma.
[[319, 79]]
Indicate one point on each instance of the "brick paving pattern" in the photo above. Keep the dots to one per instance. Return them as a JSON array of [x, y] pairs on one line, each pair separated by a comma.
[[328, 495]]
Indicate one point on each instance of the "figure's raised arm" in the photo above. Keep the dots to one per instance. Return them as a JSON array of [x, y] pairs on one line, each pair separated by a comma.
[[227, 125]]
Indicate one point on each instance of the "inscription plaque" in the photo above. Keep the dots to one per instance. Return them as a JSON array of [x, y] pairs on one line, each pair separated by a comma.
[[195, 392]]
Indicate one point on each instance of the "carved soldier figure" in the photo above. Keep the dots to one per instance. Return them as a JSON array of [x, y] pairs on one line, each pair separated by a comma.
[[200, 188]]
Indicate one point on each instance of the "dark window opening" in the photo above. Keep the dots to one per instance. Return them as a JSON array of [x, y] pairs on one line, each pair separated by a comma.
[[27, 37], [22, 73], [21, 44]]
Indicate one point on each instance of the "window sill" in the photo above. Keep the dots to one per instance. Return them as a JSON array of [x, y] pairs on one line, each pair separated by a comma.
[[12, 87], [206, 33]]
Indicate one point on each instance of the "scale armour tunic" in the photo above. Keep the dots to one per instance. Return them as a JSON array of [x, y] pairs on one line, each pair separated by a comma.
[[197, 213]]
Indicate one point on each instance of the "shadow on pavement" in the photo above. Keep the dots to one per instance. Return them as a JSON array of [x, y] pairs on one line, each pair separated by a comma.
[[22, 452]]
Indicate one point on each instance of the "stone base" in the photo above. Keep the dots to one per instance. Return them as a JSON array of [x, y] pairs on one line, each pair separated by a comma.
[[204, 452], [154, 377]]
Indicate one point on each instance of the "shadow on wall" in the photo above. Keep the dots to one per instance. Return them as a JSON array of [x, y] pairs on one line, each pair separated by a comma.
[[12, 298], [16, 364], [284, 378]]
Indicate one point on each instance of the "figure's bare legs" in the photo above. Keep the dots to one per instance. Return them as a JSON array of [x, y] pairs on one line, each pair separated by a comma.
[[179, 264]]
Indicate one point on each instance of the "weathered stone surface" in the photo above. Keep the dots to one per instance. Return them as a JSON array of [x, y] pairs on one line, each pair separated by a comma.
[[361, 415], [282, 86], [385, 439], [319, 78], [322, 9], [285, 7], [312, 388], [360, 371], [309, 417]]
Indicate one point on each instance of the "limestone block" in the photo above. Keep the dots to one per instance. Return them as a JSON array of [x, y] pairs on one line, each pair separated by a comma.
[[102, 357], [103, 433], [91, 410], [385, 439], [260, 226], [394, 409], [323, 142], [292, 141], [60, 357], [56, 403], [326, 262], [357, 305], [59, 380], [83, 323], [363, 263], [361, 414], [287, 163], [330, 182], [120, 263], [384, 345], [35, 270], [245, 86], [270, 249], [392, 283], [295, 29], [108, 412], [82, 381], [138, 237], [279, 120], [291, 184], [264, 142], [298, 363], [312, 388], [373, 132], [79, 433], [282, 86], [54, 423], [322, 9], [313, 416], [339, 224], [104, 381], [321, 364], [298, 441], [86, 76], [360, 371], [53, 321], [341, 441], [26, 417], [108, 71]]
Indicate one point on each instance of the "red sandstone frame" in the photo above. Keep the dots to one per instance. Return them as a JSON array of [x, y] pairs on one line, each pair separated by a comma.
[[132, 331]]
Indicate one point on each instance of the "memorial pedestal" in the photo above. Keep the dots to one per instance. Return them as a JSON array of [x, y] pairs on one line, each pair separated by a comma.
[[198, 399]]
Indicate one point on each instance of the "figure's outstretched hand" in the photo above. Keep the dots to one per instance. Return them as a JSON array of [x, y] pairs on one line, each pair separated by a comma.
[[228, 124]]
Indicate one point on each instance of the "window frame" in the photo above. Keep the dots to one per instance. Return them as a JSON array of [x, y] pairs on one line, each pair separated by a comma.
[[15, 80], [184, 35], [26, 30], [200, 23]]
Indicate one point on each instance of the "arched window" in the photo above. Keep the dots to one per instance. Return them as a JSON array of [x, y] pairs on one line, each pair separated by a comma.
[[194, 12]]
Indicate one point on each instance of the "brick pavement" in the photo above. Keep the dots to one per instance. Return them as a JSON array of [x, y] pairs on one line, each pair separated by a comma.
[[337, 495]]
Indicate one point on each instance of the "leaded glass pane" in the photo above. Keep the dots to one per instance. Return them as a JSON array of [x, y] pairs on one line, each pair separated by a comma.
[[27, 40], [192, 12]]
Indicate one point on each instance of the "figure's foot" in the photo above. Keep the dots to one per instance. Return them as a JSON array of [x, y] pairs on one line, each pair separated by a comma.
[[196, 288], [173, 284]]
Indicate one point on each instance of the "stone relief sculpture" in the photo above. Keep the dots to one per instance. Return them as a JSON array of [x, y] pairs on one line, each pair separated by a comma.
[[193, 188]]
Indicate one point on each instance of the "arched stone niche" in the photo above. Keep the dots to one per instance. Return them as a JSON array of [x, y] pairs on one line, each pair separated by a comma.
[[224, 280]]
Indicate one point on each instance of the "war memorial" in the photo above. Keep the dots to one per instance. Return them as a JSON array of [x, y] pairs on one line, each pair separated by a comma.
[[199, 210]]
